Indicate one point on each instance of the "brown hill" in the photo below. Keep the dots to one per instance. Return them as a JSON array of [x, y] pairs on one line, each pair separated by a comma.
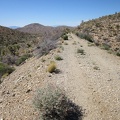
[[47, 32], [105, 31]]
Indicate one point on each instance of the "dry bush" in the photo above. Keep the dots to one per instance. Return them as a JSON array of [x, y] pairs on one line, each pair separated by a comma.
[[53, 104], [44, 47], [51, 67]]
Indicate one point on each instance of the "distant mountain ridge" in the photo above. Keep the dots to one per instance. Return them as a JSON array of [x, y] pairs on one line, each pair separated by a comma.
[[13, 27], [45, 31]]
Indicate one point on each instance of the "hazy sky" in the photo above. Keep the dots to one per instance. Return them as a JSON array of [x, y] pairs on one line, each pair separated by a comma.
[[54, 12]]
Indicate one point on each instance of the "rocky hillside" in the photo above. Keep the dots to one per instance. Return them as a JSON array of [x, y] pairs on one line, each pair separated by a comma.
[[14, 44], [47, 32], [32, 40], [105, 31]]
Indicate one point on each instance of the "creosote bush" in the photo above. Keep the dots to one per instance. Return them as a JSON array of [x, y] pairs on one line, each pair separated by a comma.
[[53, 104], [22, 59], [65, 43], [118, 53], [51, 67], [65, 37], [5, 69], [57, 57], [81, 51]]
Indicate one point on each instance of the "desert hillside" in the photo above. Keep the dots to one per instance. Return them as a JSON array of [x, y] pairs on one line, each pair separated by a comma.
[[89, 75], [14, 43], [105, 31], [15, 48]]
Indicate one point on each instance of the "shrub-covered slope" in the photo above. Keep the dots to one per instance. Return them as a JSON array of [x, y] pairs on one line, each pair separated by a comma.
[[105, 31], [14, 44]]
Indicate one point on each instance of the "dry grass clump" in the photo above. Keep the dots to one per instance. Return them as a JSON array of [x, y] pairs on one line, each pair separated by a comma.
[[51, 67]]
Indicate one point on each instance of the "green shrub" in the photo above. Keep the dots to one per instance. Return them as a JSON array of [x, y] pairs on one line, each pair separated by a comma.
[[81, 51], [65, 37], [5, 69], [118, 53], [106, 46], [53, 104], [22, 59], [57, 57], [51, 67]]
